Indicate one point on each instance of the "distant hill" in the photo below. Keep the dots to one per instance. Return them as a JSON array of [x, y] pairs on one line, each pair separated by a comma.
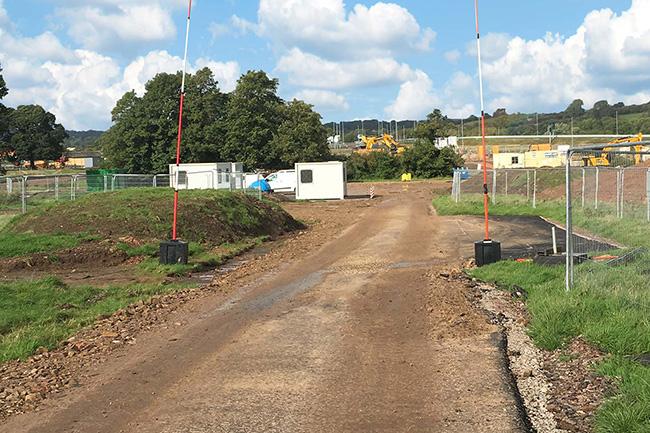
[[602, 118], [82, 140]]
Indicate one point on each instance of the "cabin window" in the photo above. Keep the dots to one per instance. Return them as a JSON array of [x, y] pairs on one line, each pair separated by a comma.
[[182, 178], [306, 176]]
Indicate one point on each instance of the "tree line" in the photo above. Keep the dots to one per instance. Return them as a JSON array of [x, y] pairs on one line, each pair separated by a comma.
[[28, 132], [602, 118], [252, 125]]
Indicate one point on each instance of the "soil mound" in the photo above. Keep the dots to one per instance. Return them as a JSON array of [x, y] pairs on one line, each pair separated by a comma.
[[145, 214]]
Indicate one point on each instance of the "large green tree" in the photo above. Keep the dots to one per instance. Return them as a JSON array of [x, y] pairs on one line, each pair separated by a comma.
[[35, 135], [144, 132], [254, 114], [301, 136], [436, 126]]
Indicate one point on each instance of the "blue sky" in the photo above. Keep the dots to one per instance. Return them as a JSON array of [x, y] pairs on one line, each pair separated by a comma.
[[355, 59]]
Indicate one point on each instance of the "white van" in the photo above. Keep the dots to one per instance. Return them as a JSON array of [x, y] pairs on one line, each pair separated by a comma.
[[282, 181]]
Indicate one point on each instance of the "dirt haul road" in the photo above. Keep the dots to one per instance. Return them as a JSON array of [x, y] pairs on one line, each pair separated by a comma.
[[362, 335]]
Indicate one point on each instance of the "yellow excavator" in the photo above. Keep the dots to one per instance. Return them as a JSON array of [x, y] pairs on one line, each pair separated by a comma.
[[385, 143], [603, 160]]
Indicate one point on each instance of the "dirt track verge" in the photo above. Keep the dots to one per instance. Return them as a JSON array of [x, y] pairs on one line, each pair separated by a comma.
[[560, 391]]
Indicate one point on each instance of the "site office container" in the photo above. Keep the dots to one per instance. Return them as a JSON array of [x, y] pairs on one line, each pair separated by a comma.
[[544, 159], [321, 180], [508, 160], [213, 175]]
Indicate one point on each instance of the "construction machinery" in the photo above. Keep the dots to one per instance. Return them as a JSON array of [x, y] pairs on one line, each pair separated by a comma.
[[603, 160], [385, 143]]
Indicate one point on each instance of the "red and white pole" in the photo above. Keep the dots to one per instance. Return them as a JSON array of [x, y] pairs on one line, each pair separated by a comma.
[[486, 202], [180, 124]]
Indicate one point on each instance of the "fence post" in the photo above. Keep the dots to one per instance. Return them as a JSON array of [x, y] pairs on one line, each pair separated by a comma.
[[622, 192], [56, 188], [113, 182], [647, 192], [569, 227], [494, 186], [506, 183], [534, 189], [259, 187], [583, 188], [23, 194], [155, 181], [10, 186], [597, 185], [618, 193]]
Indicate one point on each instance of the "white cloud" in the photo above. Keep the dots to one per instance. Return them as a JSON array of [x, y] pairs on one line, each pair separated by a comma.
[[416, 98], [243, 26], [493, 46], [452, 56], [309, 70], [326, 29], [81, 86], [118, 24], [323, 99], [607, 58]]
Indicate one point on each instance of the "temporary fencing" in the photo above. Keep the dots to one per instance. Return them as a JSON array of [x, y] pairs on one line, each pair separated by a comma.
[[607, 194], [19, 193]]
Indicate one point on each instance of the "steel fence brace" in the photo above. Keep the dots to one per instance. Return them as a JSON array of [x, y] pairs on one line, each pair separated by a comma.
[[494, 186], [527, 185], [506, 192], [56, 188]]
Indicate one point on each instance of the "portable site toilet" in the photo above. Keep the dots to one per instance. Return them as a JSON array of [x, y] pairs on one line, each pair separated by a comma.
[[213, 175], [321, 180]]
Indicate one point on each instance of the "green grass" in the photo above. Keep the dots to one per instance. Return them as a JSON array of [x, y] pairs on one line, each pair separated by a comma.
[[43, 313], [22, 244], [608, 307], [4, 220]]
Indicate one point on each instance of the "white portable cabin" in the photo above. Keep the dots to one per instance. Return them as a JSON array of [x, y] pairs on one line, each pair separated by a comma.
[[321, 181], [213, 175]]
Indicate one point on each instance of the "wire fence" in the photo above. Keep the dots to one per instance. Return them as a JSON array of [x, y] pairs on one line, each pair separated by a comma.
[[601, 196], [20, 193]]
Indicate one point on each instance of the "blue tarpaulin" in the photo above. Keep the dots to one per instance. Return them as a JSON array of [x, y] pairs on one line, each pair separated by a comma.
[[261, 184]]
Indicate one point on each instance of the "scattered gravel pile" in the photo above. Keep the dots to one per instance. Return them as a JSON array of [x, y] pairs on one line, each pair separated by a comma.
[[576, 392]]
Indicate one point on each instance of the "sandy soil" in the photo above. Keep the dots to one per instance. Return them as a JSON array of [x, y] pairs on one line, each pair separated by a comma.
[[350, 326]]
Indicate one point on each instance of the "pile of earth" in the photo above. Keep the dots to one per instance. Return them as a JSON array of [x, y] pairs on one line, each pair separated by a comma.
[[212, 217]]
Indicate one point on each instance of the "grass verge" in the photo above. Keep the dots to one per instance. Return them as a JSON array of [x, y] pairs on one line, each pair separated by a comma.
[[43, 313], [22, 244], [609, 307]]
